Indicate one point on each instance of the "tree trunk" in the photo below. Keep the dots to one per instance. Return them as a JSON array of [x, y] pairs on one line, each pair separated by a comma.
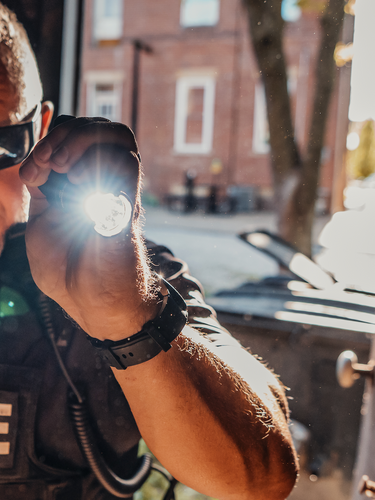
[[295, 178]]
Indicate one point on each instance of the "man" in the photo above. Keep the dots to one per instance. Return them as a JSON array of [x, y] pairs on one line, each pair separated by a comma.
[[211, 413]]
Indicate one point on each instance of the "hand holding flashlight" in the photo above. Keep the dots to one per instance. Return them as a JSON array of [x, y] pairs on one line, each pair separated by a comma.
[[101, 202], [110, 212], [91, 277]]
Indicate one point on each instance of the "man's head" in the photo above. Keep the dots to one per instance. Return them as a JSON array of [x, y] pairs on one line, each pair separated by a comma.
[[18, 63], [20, 94]]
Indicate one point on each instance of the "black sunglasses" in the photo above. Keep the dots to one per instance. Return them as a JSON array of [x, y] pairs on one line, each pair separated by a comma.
[[16, 141]]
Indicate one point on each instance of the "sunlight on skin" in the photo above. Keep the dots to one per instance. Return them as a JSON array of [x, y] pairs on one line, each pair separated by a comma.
[[105, 278], [254, 373]]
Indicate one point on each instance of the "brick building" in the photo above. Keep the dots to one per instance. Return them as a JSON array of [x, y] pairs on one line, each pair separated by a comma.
[[201, 104]]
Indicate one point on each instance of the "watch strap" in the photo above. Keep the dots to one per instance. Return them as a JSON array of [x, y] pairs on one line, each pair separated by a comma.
[[156, 335]]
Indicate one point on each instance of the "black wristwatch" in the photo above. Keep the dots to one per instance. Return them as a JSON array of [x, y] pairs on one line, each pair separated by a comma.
[[155, 336]]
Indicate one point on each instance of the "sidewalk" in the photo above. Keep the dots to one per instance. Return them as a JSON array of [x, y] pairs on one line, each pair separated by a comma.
[[208, 243], [233, 224], [157, 217]]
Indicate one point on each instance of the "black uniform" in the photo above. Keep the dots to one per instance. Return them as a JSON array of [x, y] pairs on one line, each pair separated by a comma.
[[40, 458]]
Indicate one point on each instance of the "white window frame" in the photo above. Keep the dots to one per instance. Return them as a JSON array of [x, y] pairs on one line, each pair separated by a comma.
[[110, 27], [183, 85], [261, 144], [187, 20], [95, 78]]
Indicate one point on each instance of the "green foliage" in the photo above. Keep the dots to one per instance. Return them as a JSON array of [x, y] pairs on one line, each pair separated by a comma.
[[360, 163], [156, 485]]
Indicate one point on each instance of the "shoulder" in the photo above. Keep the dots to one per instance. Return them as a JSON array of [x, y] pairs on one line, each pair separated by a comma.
[[201, 316]]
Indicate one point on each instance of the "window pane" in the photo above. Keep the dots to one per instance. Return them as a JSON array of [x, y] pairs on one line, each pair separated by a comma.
[[199, 12], [194, 114], [194, 118], [104, 87], [260, 125], [108, 19], [104, 101], [112, 8], [106, 110]]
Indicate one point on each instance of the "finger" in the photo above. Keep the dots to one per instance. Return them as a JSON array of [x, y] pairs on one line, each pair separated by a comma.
[[66, 144], [32, 170], [109, 168], [46, 146], [38, 203], [77, 142]]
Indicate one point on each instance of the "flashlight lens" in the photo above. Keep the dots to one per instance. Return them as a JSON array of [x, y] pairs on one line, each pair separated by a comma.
[[110, 213]]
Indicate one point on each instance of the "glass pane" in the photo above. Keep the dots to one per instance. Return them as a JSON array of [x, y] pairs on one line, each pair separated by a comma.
[[199, 12], [112, 8], [106, 111], [104, 87], [260, 124], [194, 118], [108, 19]]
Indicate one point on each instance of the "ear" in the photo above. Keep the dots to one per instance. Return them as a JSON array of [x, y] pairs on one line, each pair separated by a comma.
[[47, 113]]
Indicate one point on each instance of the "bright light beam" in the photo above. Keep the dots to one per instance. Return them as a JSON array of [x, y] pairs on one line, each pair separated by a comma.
[[111, 214]]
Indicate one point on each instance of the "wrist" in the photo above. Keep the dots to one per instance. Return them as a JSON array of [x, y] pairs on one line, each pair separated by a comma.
[[125, 305], [155, 335], [126, 322]]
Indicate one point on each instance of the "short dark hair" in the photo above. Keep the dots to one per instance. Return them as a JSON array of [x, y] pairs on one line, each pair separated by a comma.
[[15, 51]]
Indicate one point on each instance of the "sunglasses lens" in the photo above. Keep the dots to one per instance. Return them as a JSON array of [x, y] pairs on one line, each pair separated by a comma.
[[15, 144]]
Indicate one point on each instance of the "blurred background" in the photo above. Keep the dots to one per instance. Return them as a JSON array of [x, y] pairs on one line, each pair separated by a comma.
[[249, 115]]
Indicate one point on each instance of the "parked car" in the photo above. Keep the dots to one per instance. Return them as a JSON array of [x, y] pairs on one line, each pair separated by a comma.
[[300, 321]]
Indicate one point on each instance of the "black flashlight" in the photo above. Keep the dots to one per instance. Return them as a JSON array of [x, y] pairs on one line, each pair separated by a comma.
[[110, 213]]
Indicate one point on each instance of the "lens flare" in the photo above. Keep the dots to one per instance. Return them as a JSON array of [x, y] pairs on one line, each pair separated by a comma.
[[111, 214]]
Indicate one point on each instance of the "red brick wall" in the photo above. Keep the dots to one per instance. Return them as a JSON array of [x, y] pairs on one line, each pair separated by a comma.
[[176, 49]]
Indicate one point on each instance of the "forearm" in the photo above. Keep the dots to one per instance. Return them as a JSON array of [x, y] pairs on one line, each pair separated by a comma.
[[220, 433]]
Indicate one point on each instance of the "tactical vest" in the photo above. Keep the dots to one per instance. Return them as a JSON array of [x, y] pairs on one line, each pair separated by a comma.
[[39, 455], [40, 458]]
